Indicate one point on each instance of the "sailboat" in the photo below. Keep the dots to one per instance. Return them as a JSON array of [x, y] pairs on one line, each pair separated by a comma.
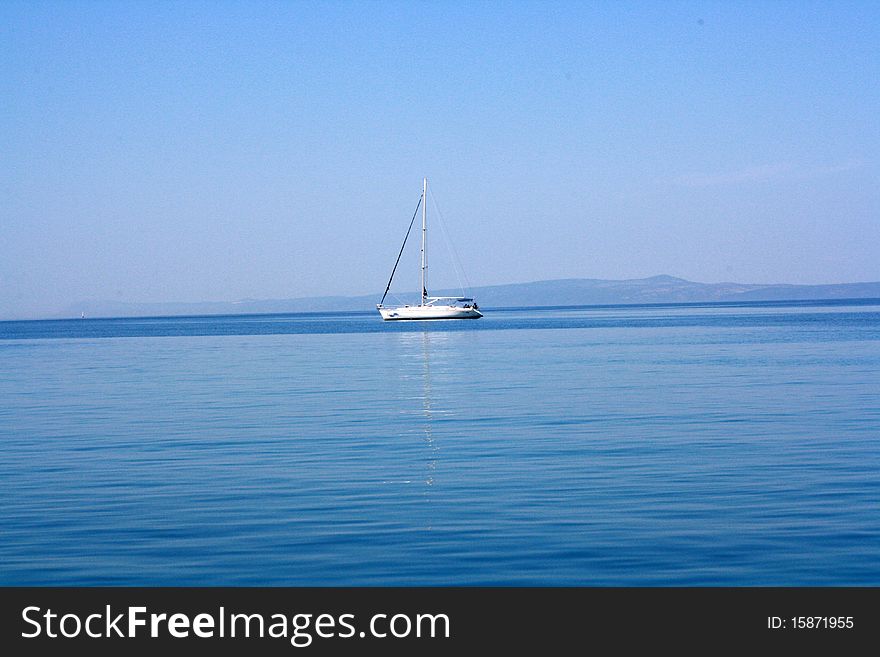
[[429, 307]]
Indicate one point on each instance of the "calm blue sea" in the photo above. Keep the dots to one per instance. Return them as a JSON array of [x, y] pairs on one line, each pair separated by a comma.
[[714, 444]]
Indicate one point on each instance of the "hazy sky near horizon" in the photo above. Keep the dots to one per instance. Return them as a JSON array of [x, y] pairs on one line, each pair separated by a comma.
[[164, 151]]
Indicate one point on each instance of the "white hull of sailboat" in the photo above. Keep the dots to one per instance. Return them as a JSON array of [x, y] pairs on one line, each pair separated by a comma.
[[429, 312]]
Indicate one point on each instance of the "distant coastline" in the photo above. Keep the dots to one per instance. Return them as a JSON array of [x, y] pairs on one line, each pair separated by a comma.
[[563, 292]]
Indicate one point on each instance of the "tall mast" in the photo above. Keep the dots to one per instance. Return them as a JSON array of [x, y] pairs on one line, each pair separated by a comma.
[[424, 234]]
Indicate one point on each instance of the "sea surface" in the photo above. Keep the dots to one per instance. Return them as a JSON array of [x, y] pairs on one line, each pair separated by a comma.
[[698, 444]]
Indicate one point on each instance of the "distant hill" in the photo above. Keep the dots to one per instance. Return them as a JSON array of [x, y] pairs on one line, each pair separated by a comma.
[[660, 289], [564, 292]]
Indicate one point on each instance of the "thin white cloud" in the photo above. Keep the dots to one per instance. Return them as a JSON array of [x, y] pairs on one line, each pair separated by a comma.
[[831, 169], [765, 172], [757, 173]]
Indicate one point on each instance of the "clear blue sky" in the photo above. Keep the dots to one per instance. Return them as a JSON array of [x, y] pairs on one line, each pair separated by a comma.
[[186, 151]]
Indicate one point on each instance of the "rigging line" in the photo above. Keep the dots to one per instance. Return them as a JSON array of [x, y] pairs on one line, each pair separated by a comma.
[[457, 266], [391, 278]]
